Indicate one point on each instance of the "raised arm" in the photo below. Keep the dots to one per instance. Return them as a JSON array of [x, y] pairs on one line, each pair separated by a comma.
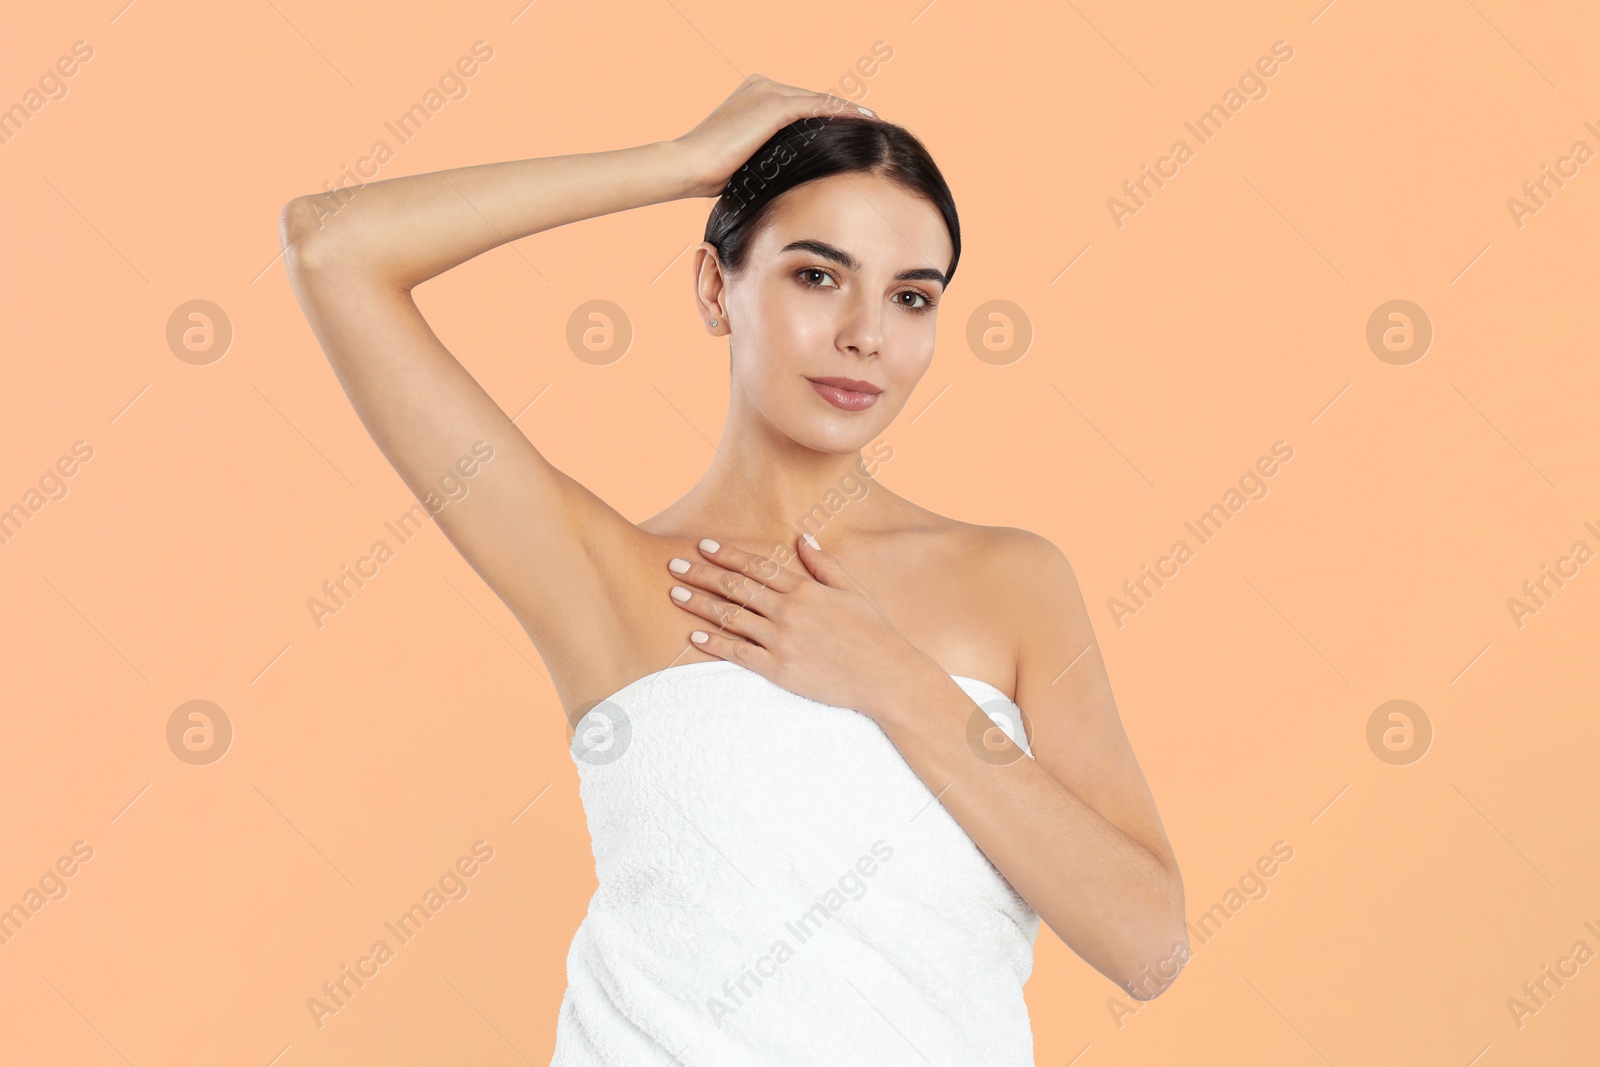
[[542, 542], [536, 536]]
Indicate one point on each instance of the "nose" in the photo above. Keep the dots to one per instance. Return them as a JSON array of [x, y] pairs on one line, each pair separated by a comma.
[[861, 333]]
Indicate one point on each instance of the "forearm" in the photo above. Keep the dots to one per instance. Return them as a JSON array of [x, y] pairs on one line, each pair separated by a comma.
[[407, 230], [1112, 900]]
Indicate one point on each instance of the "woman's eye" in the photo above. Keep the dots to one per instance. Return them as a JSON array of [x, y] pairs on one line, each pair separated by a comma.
[[807, 274]]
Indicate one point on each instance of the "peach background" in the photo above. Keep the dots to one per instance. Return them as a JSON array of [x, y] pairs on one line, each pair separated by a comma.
[[1227, 314]]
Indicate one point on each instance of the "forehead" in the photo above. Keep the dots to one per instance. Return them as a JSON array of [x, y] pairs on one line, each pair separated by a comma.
[[880, 222]]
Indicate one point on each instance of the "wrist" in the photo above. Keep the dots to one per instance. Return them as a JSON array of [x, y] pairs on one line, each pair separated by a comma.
[[677, 160], [692, 178], [906, 687]]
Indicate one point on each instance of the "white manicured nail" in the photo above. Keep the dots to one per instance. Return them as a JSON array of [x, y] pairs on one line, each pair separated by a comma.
[[812, 541], [678, 566], [680, 593], [709, 545], [699, 637]]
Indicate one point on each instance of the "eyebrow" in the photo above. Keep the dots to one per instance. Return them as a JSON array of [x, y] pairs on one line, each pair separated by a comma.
[[851, 263]]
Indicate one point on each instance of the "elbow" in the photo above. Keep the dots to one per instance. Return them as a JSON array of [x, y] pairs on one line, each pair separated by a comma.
[[1155, 973], [1154, 963], [303, 233]]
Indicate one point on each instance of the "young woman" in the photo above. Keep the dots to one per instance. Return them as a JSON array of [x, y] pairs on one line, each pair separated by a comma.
[[821, 832]]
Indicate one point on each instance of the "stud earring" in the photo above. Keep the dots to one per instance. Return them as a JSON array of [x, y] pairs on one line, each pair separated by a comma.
[[713, 322]]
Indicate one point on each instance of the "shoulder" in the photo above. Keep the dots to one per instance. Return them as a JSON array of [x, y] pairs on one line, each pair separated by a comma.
[[1024, 570], [1015, 557], [1035, 581], [1019, 558], [1007, 563], [1027, 549]]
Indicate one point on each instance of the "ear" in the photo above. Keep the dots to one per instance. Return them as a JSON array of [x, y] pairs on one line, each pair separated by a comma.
[[709, 286]]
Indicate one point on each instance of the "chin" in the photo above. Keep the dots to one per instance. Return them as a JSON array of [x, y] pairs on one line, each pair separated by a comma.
[[835, 436]]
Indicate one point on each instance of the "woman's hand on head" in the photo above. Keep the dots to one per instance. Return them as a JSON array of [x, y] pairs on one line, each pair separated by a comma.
[[760, 107], [808, 630]]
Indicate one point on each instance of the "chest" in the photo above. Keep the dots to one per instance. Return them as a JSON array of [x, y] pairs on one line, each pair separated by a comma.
[[940, 605], [938, 594], [948, 612]]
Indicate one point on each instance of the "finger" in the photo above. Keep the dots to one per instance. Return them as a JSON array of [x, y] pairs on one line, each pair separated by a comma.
[[734, 650], [730, 585], [757, 567], [734, 618], [802, 102], [823, 565], [812, 101], [782, 87], [830, 105]]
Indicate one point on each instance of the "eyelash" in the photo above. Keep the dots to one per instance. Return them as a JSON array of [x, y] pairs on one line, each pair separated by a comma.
[[929, 306]]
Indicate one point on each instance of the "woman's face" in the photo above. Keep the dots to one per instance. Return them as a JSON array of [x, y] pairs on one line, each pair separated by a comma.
[[841, 282]]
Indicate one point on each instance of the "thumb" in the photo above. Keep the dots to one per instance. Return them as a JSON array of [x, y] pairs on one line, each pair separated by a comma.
[[823, 567]]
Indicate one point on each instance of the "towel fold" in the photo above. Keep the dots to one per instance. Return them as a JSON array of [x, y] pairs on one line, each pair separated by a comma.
[[778, 887]]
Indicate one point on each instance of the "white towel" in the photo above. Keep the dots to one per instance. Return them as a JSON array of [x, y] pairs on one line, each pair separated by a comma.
[[778, 887]]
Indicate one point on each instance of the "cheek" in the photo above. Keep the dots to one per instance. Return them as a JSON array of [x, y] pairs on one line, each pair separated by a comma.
[[794, 321], [782, 332], [913, 354]]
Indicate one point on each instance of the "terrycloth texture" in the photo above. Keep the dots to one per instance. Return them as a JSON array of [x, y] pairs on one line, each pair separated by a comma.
[[778, 887]]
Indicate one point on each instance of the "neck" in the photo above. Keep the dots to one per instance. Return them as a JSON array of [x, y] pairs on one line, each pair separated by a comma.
[[764, 490]]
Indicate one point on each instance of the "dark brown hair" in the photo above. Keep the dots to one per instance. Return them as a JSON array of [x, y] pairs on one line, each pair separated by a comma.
[[817, 147]]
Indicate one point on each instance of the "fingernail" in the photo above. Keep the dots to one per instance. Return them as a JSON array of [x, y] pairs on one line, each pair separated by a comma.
[[812, 541], [864, 110], [709, 545], [680, 593], [699, 637], [678, 566]]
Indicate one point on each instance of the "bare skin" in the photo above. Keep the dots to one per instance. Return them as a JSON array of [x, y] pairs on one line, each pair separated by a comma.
[[917, 566], [1075, 830]]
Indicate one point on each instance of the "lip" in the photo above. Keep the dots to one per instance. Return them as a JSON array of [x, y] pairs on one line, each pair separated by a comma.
[[846, 393]]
